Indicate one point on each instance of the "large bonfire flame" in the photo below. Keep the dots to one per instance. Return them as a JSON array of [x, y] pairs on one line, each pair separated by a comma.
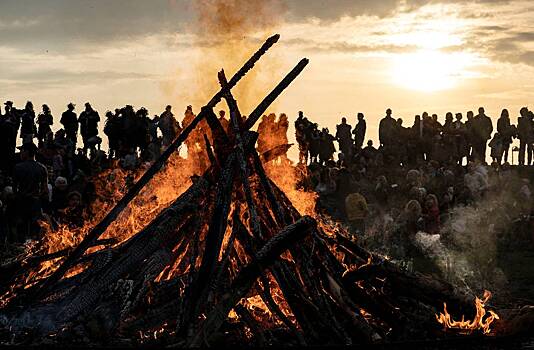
[[482, 320]]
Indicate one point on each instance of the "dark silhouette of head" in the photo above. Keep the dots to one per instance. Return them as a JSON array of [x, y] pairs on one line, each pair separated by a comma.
[[343, 120], [360, 116], [388, 112], [481, 111]]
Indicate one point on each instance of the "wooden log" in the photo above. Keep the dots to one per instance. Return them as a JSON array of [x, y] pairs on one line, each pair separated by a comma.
[[235, 118], [212, 245], [248, 275], [209, 150], [266, 183], [246, 242], [248, 320], [161, 232]]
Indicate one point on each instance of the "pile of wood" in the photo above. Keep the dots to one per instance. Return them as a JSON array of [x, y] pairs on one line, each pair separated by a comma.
[[229, 261]]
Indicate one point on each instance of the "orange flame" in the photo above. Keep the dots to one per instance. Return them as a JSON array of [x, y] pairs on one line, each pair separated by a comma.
[[482, 320]]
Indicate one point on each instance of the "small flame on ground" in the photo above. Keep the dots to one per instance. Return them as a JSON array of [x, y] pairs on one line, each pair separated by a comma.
[[482, 320]]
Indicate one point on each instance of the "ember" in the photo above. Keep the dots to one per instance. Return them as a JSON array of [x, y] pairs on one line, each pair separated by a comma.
[[482, 320]]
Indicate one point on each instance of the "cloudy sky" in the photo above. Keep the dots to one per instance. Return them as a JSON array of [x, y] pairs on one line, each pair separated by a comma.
[[365, 55]]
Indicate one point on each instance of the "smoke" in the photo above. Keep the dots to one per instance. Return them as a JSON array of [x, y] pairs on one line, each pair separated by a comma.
[[467, 249], [224, 35], [466, 252]]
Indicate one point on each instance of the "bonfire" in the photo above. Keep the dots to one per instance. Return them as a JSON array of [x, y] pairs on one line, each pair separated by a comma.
[[231, 260]]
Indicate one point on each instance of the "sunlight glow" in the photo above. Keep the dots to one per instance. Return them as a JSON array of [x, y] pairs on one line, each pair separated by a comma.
[[430, 70]]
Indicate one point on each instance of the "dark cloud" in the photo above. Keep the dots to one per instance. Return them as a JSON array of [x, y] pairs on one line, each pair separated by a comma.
[[500, 44], [65, 23]]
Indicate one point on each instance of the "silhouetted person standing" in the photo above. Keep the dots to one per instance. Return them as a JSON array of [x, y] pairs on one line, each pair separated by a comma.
[[112, 131], [359, 132], [88, 120], [8, 138], [460, 133], [344, 137], [386, 134], [69, 121], [167, 125], [507, 131], [225, 123], [27, 127], [45, 121], [30, 185], [482, 128], [525, 133]]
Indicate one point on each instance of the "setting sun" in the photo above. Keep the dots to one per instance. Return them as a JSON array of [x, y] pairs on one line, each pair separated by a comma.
[[430, 70]]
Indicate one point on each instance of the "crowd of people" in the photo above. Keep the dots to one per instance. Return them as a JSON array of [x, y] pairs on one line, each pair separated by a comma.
[[427, 139], [417, 174], [52, 174]]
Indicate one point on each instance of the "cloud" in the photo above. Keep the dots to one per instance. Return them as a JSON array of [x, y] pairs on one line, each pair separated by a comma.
[[59, 78], [63, 24], [347, 47], [68, 24]]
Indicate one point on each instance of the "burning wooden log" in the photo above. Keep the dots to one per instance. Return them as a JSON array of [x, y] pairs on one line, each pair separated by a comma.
[[246, 277], [99, 229]]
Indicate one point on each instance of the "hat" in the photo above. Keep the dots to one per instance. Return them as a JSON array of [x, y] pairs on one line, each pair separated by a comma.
[[60, 180], [30, 146], [71, 105], [8, 103]]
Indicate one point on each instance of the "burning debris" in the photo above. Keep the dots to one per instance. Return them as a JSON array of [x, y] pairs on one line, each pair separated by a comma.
[[229, 261], [482, 321]]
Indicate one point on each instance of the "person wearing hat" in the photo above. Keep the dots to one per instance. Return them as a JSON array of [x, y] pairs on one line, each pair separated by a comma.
[[45, 121], [30, 185], [8, 110], [69, 121]]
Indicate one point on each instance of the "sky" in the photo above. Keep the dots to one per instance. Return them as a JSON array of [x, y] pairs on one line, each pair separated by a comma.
[[365, 55]]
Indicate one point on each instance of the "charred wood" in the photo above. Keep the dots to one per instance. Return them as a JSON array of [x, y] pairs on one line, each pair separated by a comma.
[[248, 275]]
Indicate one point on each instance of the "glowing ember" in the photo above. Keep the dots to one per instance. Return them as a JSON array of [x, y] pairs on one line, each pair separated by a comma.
[[482, 320]]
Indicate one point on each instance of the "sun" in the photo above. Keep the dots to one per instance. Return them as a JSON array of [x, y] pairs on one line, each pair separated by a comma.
[[430, 70]]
